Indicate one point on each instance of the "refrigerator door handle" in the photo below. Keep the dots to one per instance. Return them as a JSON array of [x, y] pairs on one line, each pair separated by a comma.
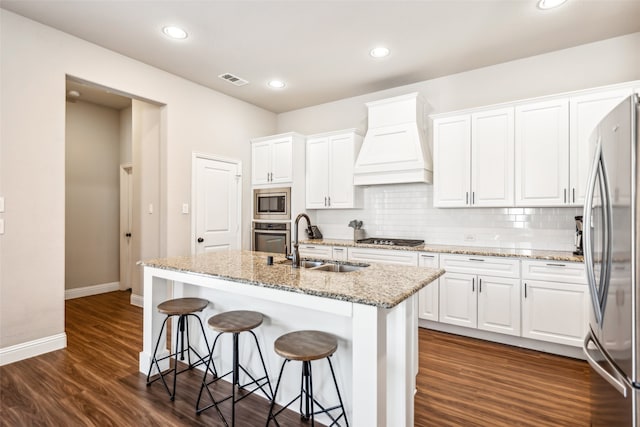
[[588, 247], [615, 382]]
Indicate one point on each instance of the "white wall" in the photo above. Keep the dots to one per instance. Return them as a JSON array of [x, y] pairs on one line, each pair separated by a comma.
[[92, 195], [34, 63], [407, 211]]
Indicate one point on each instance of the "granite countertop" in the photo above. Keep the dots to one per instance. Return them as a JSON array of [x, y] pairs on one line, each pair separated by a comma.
[[464, 250], [380, 285]]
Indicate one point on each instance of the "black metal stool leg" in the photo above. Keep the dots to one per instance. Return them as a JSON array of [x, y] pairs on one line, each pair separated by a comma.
[[335, 382], [273, 401], [264, 367]]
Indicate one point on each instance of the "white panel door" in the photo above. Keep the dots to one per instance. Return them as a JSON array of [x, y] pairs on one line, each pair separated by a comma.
[[428, 298], [492, 158], [317, 173], [341, 171], [260, 163], [585, 112], [542, 153], [499, 305], [282, 160], [452, 154], [458, 303], [216, 205], [554, 312]]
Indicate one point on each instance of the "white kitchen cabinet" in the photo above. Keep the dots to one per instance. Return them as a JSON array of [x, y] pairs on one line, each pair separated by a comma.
[[272, 158], [388, 256], [474, 159], [480, 292], [542, 153], [339, 253], [308, 250], [428, 298], [458, 301], [554, 302], [585, 112], [329, 167], [452, 154]]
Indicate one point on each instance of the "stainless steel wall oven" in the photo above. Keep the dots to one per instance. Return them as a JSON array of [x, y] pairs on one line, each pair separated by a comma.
[[271, 236]]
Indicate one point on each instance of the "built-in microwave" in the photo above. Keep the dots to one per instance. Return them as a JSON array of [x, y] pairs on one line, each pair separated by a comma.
[[272, 204]]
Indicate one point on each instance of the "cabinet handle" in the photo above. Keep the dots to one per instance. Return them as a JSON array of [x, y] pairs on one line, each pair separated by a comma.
[[556, 265], [565, 195], [476, 259], [574, 194], [479, 285], [427, 256], [329, 199], [309, 247], [525, 289], [338, 249], [473, 284], [466, 198], [473, 197], [325, 201]]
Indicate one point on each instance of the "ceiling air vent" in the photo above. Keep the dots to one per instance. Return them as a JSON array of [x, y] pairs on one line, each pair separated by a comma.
[[233, 79]]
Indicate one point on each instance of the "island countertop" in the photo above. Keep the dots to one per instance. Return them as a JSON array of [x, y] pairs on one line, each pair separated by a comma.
[[379, 285]]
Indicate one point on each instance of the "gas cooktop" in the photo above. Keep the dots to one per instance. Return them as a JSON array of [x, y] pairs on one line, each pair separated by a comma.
[[383, 241]]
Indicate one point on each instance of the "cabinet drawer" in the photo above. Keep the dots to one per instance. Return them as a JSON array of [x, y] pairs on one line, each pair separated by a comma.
[[339, 253], [554, 271], [383, 255], [428, 259], [315, 251], [491, 266]]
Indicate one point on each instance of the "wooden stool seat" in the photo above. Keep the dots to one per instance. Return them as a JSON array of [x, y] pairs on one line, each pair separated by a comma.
[[181, 306], [235, 321], [306, 345]]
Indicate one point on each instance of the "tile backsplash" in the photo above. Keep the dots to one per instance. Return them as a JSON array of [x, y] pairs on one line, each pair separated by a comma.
[[406, 211]]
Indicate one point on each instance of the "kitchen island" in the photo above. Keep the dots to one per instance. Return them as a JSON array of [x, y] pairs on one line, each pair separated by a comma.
[[372, 312]]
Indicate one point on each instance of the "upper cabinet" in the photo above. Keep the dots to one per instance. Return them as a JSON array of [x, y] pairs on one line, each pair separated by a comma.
[[527, 154], [474, 159], [584, 114], [542, 153], [329, 170], [272, 158]]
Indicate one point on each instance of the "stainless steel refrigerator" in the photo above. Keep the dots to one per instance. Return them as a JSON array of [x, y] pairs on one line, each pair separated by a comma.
[[611, 243]]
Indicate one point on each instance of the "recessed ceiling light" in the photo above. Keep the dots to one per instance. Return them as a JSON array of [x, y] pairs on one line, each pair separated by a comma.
[[379, 52], [276, 84], [549, 4], [175, 32]]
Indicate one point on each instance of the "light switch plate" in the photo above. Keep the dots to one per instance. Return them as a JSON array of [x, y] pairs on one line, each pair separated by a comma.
[[185, 208]]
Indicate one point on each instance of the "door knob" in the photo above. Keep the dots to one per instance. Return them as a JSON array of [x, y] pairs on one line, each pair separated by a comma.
[[200, 240]]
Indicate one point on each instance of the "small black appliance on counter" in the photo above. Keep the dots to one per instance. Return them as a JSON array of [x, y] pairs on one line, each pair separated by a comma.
[[578, 242]]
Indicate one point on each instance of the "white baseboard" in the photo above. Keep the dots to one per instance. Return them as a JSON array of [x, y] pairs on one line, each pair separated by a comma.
[[137, 300], [33, 348], [91, 290]]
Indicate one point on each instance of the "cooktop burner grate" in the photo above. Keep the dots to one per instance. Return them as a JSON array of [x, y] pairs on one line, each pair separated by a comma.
[[383, 241]]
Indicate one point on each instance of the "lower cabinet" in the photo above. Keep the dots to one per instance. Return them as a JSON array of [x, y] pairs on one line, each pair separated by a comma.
[[482, 301], [554, 302], [315, 251], [428, 299]]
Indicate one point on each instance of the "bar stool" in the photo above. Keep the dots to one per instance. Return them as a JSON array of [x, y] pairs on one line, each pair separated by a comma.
[[234, 322], [306, 346], [183, 308]]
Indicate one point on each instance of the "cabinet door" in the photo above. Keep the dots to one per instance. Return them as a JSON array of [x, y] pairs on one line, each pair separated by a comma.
[[317, 184], [452, 154], [260, 163], [458, 304], [492, 158], [542, 153], [499, 305], [585, 112], [341, 171], [428, 297], [554, 312], [281, 160]]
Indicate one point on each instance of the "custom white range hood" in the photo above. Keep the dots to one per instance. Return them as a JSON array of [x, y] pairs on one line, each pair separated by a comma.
[[394, 149]]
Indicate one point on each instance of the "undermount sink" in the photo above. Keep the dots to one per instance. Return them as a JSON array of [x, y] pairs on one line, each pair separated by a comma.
[[333, 267], [339, 268]]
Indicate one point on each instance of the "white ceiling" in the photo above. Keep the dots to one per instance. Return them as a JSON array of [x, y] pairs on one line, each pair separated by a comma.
[[321, 48]]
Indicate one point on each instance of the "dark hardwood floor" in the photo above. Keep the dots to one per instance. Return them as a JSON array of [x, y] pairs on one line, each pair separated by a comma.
[[95, 381]]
